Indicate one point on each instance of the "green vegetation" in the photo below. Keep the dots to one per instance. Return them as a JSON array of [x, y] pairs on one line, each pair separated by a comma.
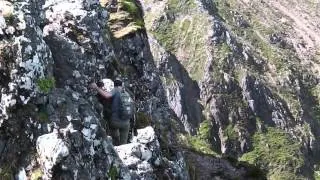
[[275, 151], [221, 54], [36, 174], [315, 92], [43, 117], [317, 175], [230, 132], [127, 19], [6, 172], [256, 34], [113, 173], [292, 102], [285, 175], [46, 84], [143, 120], [200, 142], [129, 6], [185, 37]]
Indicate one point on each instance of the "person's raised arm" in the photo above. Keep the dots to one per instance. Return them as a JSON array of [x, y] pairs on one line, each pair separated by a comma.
[[100, 91]]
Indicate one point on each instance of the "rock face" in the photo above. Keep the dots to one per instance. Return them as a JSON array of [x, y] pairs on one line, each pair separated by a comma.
[[144, 159], [51, 123], [178, 85], [249, 74], [214, 82], [47, 111]]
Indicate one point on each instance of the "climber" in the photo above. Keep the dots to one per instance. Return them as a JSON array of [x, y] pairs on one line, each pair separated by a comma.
[[121, 110]]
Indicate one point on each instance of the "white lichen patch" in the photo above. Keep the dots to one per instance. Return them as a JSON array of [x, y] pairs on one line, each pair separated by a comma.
[[51, 150], [58, 9], [29, 62]]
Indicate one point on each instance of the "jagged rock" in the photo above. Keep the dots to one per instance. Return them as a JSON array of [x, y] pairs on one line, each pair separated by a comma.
[[6, 8], [206, 167], [51, 150], [225, 59], [77, 137], [25, 61], [78, 27], [264, 105], [143, 157], [181, 91], [142, 154]]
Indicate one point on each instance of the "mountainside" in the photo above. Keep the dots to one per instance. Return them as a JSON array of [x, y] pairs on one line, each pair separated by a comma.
[[256, 69], [223, 89]]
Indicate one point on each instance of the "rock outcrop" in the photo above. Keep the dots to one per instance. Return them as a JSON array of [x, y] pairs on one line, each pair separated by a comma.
[[215, 84], [249, 73]]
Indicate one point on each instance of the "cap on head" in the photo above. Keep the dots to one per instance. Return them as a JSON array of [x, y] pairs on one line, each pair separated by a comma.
[[117, 82]]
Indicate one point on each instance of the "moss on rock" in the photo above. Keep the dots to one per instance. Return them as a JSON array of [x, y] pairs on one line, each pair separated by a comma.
[[185, 37], [143, 120], [200, 142], [127, 18], [276, 152], [46, 84]]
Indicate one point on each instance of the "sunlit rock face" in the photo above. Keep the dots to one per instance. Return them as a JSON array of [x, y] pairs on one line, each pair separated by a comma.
[[255, 67], [214, 83], [49, 123]]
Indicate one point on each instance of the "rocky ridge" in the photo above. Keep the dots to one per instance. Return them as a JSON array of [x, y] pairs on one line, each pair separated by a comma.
[[218, 84], [258, 79]]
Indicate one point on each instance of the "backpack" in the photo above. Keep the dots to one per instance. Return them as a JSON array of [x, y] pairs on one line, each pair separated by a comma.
[[127, 105]]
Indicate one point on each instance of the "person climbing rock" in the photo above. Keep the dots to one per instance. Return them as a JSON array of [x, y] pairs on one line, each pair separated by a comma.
[[106, 85], [121, 110]]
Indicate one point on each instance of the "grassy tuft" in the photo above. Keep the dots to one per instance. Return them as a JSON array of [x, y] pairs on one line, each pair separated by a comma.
[[275, 151], [186, 39], [231, 133], [113, 173], [129, 6], [6, 172], [143, 120], [126, 20], [46, 84], [199, 143], [317, 175]]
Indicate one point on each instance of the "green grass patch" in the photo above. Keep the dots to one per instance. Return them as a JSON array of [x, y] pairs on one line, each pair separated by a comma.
[[113, 173], [317, 175], [315, 92], [46, 84], [6, 172], [276, 152], [126, 20], [129, 6], [230, 132], [131, 28], [143, 120], [43, 117], [292, 101], [181, 6], [200, 142], [185, 37]]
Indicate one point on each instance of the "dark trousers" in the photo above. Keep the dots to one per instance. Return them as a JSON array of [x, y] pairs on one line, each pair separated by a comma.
[[119, 131]]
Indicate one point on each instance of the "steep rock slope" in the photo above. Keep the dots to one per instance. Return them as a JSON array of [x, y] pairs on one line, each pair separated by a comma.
[[257, 66], [49, 126], [216, 82]]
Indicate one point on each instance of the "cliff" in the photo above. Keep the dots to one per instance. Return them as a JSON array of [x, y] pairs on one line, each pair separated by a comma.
[[224, 90]]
